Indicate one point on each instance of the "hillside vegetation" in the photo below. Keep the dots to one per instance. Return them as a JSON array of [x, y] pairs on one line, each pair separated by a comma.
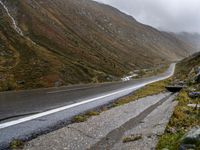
[[76, 41], [185, 117], [186, 67]]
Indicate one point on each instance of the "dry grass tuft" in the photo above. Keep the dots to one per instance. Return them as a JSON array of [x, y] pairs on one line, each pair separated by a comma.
[[132, 138]]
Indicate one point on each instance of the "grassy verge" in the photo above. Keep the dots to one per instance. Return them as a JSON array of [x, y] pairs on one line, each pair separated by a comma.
[[183, 119], [151, 89], [84, 117], [16, 145], [148, 90]]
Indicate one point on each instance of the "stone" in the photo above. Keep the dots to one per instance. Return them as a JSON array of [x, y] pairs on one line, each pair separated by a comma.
[[191, 140], [58, 83], [197, 70], [171, 130], [197, 78], [21, 82], [182, 83], [194, 94], [187, 147], [193, 105]]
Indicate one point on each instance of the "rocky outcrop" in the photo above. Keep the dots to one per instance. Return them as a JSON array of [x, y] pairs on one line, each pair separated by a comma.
[[191, 139]]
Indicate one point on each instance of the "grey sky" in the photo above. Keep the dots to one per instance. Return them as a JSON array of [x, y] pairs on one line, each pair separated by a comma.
[[169, 15]]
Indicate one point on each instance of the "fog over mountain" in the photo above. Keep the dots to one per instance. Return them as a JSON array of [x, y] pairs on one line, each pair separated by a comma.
[[170, 15]]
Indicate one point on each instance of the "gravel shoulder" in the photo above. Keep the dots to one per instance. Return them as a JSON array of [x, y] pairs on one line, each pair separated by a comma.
[[149, 129], [148, 115]]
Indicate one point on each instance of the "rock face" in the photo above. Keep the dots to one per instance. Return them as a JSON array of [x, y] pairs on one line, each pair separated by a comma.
[[191, 140]]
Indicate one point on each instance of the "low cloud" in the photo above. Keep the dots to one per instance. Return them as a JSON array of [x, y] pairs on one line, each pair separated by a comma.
[[168, 15]]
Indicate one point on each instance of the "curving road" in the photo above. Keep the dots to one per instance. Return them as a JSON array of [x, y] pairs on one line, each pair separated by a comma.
[[24, 114]]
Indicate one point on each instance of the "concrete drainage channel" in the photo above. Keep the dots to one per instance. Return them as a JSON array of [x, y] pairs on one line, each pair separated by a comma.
[[107, 130]]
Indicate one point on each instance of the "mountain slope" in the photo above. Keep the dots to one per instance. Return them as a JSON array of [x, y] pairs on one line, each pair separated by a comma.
[[76, 41], [186, 66], [191, 38]]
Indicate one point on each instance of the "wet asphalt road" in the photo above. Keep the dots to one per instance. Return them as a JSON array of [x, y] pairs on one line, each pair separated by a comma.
[[16, 105]]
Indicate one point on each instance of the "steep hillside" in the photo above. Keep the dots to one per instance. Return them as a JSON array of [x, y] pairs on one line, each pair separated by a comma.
[[186, 115], [186, 66], [63, 42], [191, 38]]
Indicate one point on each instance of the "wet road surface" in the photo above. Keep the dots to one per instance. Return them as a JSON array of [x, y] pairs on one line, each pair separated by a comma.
[[24, 114]]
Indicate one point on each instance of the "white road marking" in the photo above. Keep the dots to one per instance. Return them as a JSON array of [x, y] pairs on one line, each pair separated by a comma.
[[29, 118]]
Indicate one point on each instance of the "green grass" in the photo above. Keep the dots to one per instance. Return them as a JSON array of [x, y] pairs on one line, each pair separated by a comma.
[[79, 118], [183, 119], [148, 90], [84, 117], [170, 141], [152, 89], [16, 145]]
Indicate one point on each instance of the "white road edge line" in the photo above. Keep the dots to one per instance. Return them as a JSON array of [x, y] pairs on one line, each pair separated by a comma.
[[29, 118]]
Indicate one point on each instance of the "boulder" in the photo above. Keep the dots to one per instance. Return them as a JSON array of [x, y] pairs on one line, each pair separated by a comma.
[[58, 83], [171, 130], [21, 82], [197, 78], [197, 70], [191, 140], [194, 94], [187, 147], [193, 105]]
